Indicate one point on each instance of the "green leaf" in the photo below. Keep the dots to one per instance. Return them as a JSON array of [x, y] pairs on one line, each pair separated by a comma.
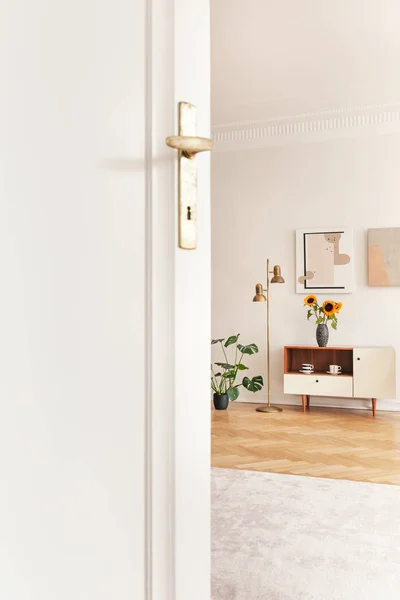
[[250, 349], [334, 325], [225, 366], [229, 374], [253, 385], [231, 340], [309, 314], [217, 341], [242, 367], [217, 374], [233, 393]]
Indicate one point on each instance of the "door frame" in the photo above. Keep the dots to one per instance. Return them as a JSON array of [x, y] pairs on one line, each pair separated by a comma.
[[178, 313]]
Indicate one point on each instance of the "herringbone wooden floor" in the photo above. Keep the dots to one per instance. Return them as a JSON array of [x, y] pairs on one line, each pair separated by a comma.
[[324, 442]]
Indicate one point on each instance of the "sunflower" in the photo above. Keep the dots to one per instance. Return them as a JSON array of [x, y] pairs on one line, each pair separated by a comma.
[[338, 307], [329, 307], [310, 300]]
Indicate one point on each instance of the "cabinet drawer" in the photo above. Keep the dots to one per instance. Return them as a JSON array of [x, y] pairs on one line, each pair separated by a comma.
[[319, 385]]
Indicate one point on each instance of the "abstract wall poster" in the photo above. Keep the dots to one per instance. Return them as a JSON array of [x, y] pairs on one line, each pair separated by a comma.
[[384, 256], [324, 261]]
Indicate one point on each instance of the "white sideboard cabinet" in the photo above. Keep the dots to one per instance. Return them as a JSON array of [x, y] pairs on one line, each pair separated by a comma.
[[368, 372]]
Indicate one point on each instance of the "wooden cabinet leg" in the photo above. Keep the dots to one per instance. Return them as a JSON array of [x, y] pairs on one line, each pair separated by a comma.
[[308, 401], [304, 400], [373, 407]]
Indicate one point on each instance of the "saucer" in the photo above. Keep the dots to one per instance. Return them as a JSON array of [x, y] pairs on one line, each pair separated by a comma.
[[330, 373], [306, 372]]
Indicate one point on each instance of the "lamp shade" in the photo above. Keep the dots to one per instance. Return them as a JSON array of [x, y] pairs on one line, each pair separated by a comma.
[[259, 297], [277, 278]]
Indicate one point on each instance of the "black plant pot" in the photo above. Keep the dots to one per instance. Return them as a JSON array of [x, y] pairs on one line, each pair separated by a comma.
[[221, 401]]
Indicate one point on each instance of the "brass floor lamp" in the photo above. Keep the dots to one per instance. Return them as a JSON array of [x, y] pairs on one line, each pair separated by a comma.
[[259, 297]]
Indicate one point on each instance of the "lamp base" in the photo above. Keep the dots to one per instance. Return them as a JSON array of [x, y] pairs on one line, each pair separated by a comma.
[[269, 409]]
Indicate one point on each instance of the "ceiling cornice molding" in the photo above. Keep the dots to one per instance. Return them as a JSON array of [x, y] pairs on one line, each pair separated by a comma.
[[318, 126]]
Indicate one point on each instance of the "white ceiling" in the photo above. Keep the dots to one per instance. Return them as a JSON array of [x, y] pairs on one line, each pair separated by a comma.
[[276, 58]]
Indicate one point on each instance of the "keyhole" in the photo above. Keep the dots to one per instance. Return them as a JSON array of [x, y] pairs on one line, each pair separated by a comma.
[[189, 213]]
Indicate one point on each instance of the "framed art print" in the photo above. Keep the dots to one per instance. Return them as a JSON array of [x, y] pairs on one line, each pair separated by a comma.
[[384, 256], [324, 261]]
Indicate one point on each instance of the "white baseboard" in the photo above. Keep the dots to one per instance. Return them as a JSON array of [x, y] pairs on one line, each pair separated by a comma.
[[360, 404]]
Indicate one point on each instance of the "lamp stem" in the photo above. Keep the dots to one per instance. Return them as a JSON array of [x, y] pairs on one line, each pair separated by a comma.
[[268, 342], [268, 408]]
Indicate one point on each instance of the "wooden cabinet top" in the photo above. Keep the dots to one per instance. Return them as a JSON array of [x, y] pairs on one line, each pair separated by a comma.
[[333, 347], [322, 348]]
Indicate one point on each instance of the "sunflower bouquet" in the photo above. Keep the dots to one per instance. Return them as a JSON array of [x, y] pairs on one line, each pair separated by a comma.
[[327, 313]]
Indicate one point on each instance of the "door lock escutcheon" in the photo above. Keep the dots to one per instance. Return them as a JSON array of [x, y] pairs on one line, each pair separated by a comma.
[[188, 145]]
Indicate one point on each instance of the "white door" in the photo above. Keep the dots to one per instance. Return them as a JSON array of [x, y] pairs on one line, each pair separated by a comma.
[[374, 373], [104, 335]]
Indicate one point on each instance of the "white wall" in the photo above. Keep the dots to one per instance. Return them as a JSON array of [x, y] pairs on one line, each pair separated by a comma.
[[72, 299], [272, 59], [259, 198]]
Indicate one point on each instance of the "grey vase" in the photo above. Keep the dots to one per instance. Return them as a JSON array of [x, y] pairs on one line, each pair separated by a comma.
[[322, 335]]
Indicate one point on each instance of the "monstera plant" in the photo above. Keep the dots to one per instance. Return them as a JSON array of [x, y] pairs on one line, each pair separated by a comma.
[[224, 375]]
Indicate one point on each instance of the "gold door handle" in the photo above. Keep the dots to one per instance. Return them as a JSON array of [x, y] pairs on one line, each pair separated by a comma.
[[188, 145]]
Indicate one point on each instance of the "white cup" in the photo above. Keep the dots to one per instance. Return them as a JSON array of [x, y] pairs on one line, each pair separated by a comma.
[[335, 369], [307, 367]]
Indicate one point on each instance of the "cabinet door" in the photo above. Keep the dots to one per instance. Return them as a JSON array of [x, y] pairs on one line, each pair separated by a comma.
[[374, 373]]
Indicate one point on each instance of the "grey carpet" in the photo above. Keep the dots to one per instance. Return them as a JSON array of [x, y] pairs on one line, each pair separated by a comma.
[[283, 537]]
